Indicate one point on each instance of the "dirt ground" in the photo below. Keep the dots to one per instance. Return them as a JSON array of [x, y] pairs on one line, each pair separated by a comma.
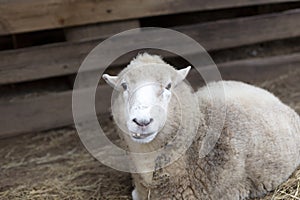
[[55, 165]]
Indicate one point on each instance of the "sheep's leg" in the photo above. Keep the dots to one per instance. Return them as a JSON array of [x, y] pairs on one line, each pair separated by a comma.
[[139, 194], [135, 195]]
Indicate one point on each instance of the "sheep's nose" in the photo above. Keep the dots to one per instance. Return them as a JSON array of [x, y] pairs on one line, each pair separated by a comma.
[[142, 122]]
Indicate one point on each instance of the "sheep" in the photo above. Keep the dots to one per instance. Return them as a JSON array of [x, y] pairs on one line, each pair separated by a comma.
[[258, 148]]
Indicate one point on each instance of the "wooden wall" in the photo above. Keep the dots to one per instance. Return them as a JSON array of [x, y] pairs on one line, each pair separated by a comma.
[[78, 26]]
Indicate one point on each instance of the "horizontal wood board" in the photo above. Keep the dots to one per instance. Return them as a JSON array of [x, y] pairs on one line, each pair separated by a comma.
[[65, 58], [18, 16]]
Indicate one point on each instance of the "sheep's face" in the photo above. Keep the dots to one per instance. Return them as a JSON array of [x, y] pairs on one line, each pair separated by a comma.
[[146, 95]]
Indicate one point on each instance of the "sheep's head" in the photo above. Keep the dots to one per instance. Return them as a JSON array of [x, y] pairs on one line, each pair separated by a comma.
[[146, 91]]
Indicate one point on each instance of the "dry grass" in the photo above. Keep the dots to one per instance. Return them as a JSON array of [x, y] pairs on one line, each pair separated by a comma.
[[289, 190], [54, 165]]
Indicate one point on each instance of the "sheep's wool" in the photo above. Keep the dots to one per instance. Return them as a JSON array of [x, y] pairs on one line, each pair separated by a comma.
[[258, 149]]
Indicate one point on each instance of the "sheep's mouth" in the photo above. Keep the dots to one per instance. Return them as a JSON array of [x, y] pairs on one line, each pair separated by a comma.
[[141, 136]]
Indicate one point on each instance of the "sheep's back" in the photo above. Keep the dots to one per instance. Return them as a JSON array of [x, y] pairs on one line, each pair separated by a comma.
[[262, 134]]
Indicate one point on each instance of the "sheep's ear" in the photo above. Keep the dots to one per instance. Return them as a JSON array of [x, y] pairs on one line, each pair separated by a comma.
[[181, 74], [111, 80]]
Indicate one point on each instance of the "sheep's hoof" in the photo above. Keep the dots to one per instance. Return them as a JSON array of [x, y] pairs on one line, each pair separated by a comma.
[[135, 195]]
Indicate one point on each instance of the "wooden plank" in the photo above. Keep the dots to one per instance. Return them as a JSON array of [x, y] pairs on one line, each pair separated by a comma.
[[243, 31], [44, 112], [103, 30], [260, 69], [31, 15], [62, 59], [54, 110], [254, 70]]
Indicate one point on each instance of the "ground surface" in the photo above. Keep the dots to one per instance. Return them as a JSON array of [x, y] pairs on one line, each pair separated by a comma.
[[54, 164]]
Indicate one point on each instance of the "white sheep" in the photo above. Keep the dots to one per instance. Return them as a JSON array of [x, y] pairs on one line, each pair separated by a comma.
[[258, 149]]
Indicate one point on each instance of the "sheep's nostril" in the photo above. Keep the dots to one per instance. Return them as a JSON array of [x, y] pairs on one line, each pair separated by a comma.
[[151, 120], [135, 121], [142, 122]]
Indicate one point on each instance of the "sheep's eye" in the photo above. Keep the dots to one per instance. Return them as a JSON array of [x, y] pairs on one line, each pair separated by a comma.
[[124, 86], [168, 86]]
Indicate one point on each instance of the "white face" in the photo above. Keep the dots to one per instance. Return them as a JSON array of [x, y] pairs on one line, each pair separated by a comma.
[[145, 104], [146, 107]]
